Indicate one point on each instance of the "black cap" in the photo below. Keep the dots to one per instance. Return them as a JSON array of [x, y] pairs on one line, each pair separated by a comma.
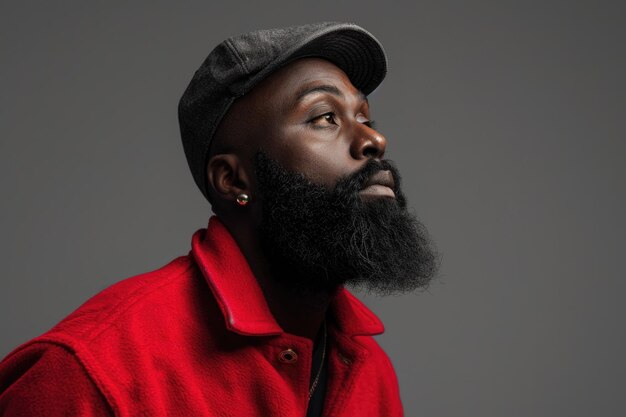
[[239, 63]]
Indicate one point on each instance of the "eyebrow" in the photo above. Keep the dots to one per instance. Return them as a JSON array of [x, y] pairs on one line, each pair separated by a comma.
[[324, 88]]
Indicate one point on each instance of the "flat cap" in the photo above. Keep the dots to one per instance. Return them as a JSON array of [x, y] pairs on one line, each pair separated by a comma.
[[239, 63]]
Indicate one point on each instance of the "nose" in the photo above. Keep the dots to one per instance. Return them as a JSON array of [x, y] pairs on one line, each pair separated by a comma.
[[367, 143]]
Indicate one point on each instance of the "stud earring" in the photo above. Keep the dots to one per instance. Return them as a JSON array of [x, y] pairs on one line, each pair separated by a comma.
[[243, 199]]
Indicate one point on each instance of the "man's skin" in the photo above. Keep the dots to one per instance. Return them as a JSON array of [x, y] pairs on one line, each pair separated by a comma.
[[311, 119]]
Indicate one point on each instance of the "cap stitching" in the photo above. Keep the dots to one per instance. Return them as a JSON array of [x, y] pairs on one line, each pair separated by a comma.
[[232, 48]]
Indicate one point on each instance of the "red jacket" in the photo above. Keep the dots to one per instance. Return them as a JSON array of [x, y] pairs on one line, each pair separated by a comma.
[[195, 338]]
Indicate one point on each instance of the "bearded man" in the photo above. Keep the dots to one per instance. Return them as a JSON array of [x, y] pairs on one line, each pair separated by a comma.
[[256, 320]]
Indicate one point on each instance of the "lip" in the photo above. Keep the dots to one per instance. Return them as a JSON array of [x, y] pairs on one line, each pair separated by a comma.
[[380, 184]]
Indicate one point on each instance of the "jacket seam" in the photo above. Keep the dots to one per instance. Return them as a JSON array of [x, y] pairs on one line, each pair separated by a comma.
[[91, 373]]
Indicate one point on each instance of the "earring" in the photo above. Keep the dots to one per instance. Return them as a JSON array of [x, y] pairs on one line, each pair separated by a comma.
[[243, 199]]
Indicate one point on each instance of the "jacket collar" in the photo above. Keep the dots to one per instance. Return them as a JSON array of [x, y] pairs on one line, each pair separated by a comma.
[[241, 299]]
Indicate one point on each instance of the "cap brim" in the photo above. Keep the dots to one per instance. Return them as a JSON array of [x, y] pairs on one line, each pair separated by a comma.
[[357, 52]]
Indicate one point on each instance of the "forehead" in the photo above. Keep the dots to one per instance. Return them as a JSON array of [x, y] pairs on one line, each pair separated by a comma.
[[255, 120], [289, 82]]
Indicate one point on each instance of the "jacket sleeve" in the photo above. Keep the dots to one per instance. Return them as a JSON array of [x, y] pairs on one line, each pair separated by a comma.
[[47, 380]]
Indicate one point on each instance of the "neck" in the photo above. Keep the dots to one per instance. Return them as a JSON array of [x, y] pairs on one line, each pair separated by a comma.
[[296, 314], [301, 315]]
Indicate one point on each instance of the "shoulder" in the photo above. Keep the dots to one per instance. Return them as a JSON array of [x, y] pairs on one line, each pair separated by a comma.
[[107, 340], [136, 318], [34, 381], [124, 303]]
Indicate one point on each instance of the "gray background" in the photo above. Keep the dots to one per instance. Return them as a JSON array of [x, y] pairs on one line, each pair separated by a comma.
[[506, 118]]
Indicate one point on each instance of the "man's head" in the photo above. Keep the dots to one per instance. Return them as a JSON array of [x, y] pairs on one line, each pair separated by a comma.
[[240, 63], [307, 116], [325, 206]]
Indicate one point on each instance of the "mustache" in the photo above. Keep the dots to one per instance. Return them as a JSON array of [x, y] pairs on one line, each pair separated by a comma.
[[344, 195], [354, 182]]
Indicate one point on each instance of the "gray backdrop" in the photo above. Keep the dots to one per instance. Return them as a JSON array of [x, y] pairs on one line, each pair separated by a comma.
[[506, 118]]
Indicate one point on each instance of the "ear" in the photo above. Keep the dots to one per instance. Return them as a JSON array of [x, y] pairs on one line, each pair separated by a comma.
[[226, 176]]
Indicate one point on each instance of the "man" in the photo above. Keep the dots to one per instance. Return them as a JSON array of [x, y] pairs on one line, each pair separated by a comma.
[[255, 321]]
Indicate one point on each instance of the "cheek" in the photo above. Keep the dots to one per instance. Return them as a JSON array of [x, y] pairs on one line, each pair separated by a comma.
[[323, 162]]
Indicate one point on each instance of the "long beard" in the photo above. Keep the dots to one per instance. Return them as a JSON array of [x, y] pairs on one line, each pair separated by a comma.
[[317, 238]]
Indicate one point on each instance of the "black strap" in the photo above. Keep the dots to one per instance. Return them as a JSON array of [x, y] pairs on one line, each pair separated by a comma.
[[316, 403]]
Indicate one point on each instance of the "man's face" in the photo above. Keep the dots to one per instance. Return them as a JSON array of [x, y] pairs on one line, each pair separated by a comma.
[[330, 209], [311, 119]]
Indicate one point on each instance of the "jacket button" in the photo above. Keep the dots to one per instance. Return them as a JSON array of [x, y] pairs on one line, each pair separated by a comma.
[[288, 356]]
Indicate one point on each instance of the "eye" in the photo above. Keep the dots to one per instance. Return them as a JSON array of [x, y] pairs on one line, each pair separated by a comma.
[[324, 120]]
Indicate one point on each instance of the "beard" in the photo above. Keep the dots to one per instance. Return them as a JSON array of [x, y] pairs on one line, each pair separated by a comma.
[[318, 238]]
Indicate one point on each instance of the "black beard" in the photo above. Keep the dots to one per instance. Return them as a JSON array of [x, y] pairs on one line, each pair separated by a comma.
[[317, 239]]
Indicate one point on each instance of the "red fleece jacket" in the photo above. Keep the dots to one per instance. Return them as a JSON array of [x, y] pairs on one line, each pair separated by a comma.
[[195, 338]]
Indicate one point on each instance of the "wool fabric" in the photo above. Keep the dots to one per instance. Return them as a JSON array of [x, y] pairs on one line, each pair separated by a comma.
[[196, 338]]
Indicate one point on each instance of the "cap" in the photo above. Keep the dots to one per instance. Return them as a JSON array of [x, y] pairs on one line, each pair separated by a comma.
[[239, 63]]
